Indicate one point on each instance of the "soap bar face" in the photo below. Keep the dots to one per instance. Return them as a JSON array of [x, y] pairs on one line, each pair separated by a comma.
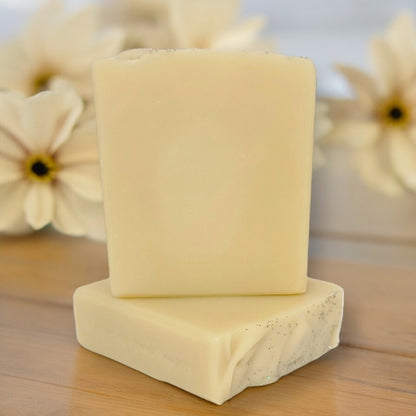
[[206, 168], [213, 347]]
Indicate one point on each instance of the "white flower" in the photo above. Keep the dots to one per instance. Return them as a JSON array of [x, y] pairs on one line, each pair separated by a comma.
[[211, 24], [49, 170], [56, 44], [323, 126], [380, 121], [146, 22], [207, 24]]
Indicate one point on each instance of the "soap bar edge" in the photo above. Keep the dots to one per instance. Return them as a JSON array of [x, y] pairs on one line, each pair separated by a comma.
[[232, 390]]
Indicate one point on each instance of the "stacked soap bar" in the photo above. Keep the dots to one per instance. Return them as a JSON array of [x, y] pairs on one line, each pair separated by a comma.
[[206, 168], [213, 347]]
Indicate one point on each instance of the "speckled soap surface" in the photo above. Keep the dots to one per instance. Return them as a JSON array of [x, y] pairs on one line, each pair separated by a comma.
[[213, 347]]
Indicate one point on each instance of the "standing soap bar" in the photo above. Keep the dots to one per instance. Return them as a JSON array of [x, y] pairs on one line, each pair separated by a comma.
[[206, 168]]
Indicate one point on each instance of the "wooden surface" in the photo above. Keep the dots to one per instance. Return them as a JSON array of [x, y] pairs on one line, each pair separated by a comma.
[[43, 371]]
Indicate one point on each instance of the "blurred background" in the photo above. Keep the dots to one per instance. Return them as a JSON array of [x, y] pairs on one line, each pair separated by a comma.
[[348, 220]]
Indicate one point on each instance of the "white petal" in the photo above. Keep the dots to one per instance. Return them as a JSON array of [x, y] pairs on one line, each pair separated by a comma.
[[11, 149], [240, 37], [81, 147], [65, 218], [401, 36], [82, 84], [77, 65], [197, 23], [363, 85], [264, 44], [375, 169], [69, 35], [11, 133], [48, 119], [15, 68], [401, 31], [34, 33], [385, 66], [39, 205], [108, 43], [356, 133], [90, 213], [59, 84], [403, 158], [71, 109], [66, 44], [10, 171], [83, 179], [88, 114], [147, 35], [12, 197], [78, 84]]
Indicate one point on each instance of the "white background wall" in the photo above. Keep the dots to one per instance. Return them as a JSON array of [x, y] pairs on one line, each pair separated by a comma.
[[348, 221]]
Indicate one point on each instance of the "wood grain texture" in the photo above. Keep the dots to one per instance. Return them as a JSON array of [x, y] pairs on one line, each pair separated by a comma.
[[47, 266], [43, 370]]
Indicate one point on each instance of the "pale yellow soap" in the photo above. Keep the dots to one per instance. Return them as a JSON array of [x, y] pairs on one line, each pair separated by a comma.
[[206, 169], [213, 347]]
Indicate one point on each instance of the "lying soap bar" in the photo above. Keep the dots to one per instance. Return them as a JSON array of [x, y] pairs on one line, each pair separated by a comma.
[[213, 347], [206, 168]]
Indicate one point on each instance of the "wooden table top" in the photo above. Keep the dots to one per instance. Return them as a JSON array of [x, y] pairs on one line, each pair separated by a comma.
[[43, 370]]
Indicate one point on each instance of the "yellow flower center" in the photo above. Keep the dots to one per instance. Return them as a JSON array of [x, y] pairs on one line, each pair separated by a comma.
[[40, 168], [395, 113], [41, 81]]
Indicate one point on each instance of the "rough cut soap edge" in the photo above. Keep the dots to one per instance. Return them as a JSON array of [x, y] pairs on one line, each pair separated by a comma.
[[281, 346], [136, 54], [257, 355]]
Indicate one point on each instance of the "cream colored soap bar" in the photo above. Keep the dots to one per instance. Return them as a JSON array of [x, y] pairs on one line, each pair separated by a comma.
[[213, 347], [206, 168]]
